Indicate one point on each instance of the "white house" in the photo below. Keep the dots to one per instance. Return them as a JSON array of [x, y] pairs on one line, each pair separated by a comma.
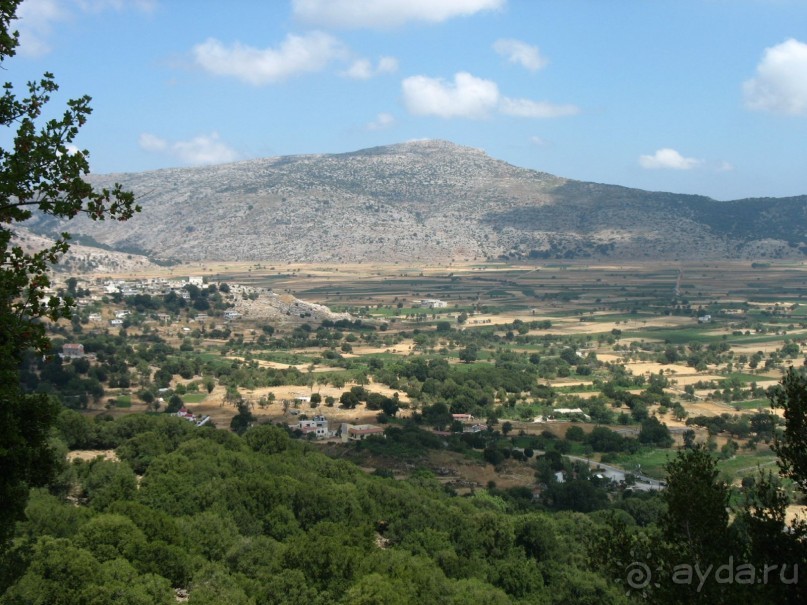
[[432, 303], [318, 426]]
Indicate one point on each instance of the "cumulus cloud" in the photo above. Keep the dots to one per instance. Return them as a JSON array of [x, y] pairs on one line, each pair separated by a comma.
[[382, 121], [200, 150], [523, 54], [780, 83], [386, 13], [363, 69], [471, 97], [36, 19], [465, 97], [667, 159], [311, 52], [525, 108]]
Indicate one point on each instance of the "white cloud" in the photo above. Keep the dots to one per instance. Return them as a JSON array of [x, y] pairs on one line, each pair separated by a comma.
[[387, 65], [311, 52], [203, 149], [522, 53], [35, 22], [667, 158], [36, 19], [471, 97], [780, 84], [466, 97], [151, 142], [382, 121], [538, 141], [725, 166], [97, 6], [386, 13], [525, 108], [362, 69]]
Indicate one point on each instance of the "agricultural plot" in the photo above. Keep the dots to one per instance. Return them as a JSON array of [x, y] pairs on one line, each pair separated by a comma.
[[613, 345]]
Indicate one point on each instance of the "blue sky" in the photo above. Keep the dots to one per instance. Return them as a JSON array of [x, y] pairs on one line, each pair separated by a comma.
[[691, 96]]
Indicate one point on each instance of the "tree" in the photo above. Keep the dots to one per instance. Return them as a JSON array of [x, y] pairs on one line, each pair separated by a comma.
[[469, 354], [656, 433], [243, 419], [38, 173], [267, 439], [695, 528], [349, 400], [791, 445]]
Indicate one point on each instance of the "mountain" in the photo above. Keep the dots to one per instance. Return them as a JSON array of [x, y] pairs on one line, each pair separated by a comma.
[[426, 201]]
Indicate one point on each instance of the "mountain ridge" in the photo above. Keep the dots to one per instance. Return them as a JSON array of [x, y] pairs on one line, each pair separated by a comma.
[[427, 201]]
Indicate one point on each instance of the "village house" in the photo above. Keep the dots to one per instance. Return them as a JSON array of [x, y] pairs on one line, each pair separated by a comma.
[[318, 426], [186, 415], [72, 351], [360, 432], [432, 303]]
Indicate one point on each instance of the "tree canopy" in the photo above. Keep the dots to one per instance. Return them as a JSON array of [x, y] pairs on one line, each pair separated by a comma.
[[40, 173]]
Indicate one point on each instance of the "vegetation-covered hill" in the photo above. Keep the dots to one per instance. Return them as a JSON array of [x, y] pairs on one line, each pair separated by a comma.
[[428, 201], [266, 520]]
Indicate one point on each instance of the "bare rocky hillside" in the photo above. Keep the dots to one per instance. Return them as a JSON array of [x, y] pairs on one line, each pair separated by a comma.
[[85, 259], [427, 201]]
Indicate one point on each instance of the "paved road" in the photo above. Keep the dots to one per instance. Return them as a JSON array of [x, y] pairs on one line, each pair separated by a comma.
[[615, 473]]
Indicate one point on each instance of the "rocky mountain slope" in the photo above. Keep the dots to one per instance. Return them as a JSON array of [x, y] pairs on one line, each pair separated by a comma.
[[84, 259], [426, 201]]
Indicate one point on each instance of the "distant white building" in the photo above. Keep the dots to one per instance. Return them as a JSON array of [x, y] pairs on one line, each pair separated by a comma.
[[196, 281], [432, 303]]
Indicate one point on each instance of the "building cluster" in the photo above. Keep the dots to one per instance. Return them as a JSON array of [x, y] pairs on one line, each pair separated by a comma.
[[319, 428], [155, 286]]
